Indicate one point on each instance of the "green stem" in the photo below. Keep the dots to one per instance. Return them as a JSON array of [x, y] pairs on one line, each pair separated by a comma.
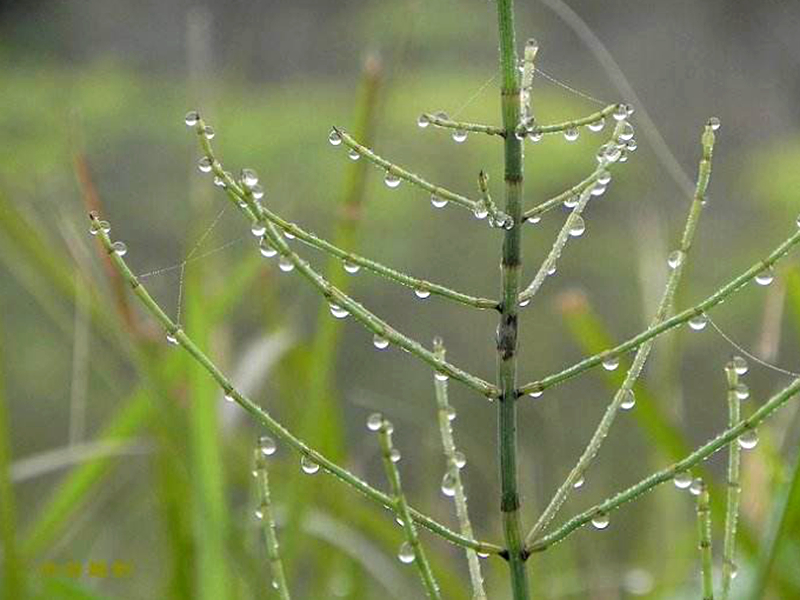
[[446, 123], [645, 485], [734, 487], [713, 300], [401, 509], [704, 535], [507, 328], [573, 123], [264, 418], [265, 514]]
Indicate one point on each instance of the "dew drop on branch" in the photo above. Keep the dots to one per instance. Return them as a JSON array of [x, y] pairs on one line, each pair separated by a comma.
[[204, 165], [334, 138], [308, 466], [406, 553], [674, 259], [351, 267], [437, 201], [459, 136], [682, 480], [766, 276], [742, 391], [423, 121], [596, 126], [380, 342], [192, 118], [611, 363], [628, 400], [267, 445], [391, 180], [698, 322], [571, 134], [285, 265], [374, 421], [449, 484], [577, 227], [740, 365], [600, 521], [120, 249], [748, 440]]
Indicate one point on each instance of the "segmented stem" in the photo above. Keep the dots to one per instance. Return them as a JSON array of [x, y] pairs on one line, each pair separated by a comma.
[[439, 120], [571, 124], [704, 535], [264, 418], [445, 412], [267, 517], [401, 508], [734, 486]]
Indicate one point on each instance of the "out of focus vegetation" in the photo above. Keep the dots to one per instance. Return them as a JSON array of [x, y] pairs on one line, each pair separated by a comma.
[[109, 463]]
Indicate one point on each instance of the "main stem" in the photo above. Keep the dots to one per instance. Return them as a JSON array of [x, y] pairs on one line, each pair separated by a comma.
[[507, 329]]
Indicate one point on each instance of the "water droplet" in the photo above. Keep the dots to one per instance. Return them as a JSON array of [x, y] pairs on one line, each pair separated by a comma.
[[734, 570], [422, 292], [714, 123], [626, 132], [374, 421], [285, 265], [388, 426], [229, 397], [172, 338], [267, 445], [748, 440], [551, 270], [674, 259], [482, 555], [260, 512], [459, 135], [353, 154], [623, 156], [609, 153], [742, 391], [258, 228], [597, 189], [698, 322], [600, 521], [249, 178], [631, 145], [334, 138], [766, 276], [480, 211], [696, 487], [257, 191], [535, 136], [577, 227], [596, 126], [439, 376], [441, 115], [288, 234], [337, 311], [628, 400], [571, 134], [309, 466], [208, 132], [682, 480], [275, 584], [391, 180], [438, 202], [205, 164], [219, 182], [571, 201], [459, 459], [381, 343], [266, 250], [423, 121], [406, 553], [604, 177], [394, 455], [536, 393], [451, 414], [120, 249], [620, 112], [611, 363], [449, 484], [192, 118], [578, 483], [629, 109], [351, 267], [740, 365]]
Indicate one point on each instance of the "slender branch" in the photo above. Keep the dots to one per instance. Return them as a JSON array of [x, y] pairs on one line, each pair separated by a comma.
[[734, 484], [507, 329], [528, 70], [625, 392], [390, 456], [704, 535], [412, 178], [264, 417], [572, 124], [265, 514], [245, 199], [442, 120], [645, 485], [497, 218], [713, 300], [446, 414]]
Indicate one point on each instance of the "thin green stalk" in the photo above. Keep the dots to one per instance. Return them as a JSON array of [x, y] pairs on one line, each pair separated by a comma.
[[704, 535], [390, 456], [573, 123], [507, 330], [263, 417], [412, 178], [441, 120], [734, 486], [265, 514], [626, 389], [682, 317], [497, 218], [648, 483], [445, 413], [12, 583], [334, 295]]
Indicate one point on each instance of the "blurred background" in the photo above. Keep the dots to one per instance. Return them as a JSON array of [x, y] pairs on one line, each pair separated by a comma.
[[131, 478]]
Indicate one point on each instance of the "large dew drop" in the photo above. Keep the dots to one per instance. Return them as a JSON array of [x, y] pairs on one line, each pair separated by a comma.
[[740, 365], [334, 138], [748, 440], [374, 421], [459, 136], [449, 483], [577, 227], [192, 118], [600, 521], [611, 363], [309, 466], [682, 480], [391, 180], [285, 265], [380, 342], [406, 553], [766, 276], [628, 400], [267, 445], [698, 322]]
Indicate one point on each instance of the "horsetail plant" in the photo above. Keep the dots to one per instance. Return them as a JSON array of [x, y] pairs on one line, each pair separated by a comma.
[[736, 392], [277, 237]]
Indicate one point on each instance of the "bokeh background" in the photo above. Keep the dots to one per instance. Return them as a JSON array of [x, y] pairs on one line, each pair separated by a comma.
[[123, 455]]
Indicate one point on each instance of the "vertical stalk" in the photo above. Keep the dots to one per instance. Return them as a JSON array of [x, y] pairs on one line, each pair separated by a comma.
[[704, 535], [734, 488], [507, 329]]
